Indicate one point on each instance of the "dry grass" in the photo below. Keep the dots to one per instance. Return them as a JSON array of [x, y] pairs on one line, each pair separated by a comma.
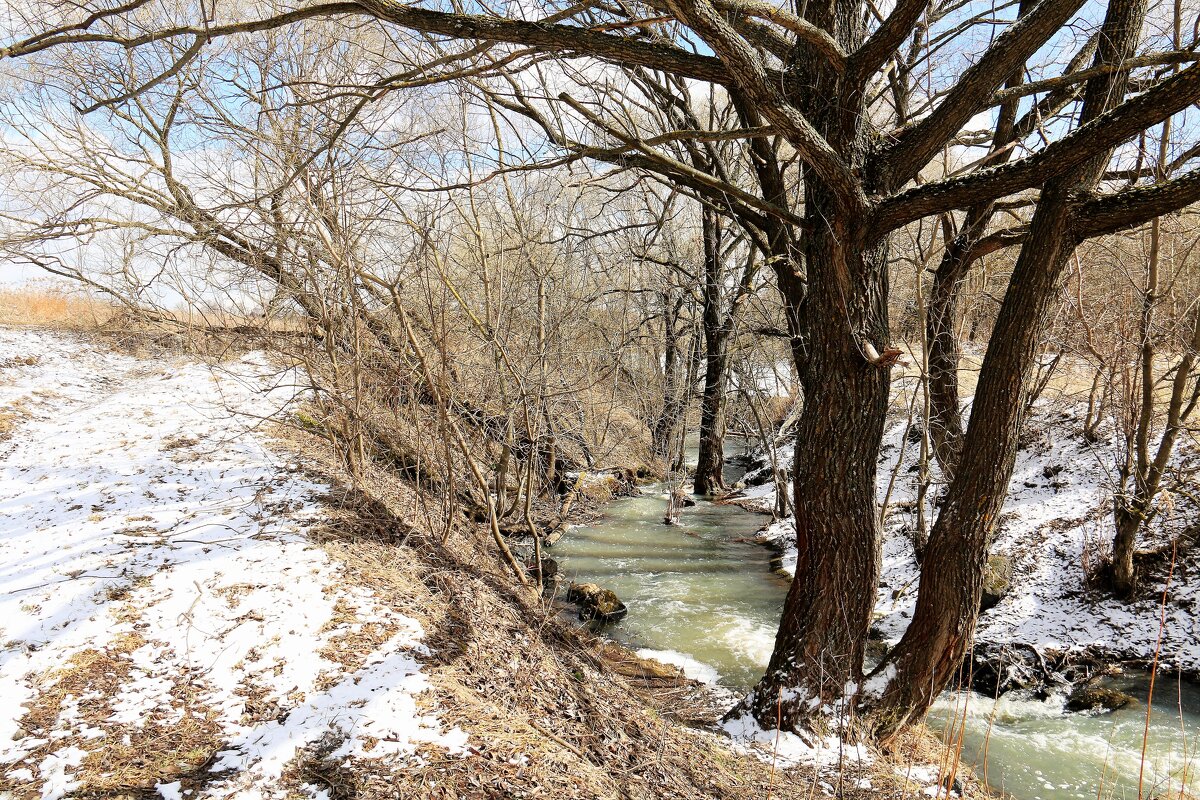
[[53, 308], [132, 758], [149, 333], [10, 417]]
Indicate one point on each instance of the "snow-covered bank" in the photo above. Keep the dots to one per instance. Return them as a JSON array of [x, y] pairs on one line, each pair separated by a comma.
[[164, 618], [1056, 517]]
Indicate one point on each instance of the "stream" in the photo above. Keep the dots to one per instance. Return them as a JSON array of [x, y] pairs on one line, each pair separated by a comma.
[[703, 598]]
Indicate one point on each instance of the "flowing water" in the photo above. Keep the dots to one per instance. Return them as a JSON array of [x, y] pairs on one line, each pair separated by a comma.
[[703, 597]]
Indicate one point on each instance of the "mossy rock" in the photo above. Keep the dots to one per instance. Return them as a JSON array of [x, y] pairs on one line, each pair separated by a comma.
[[596, 603], [309, 423], [1087, 697], [997, 581]]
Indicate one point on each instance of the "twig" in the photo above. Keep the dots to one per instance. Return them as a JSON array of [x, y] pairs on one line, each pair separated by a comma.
[[1162, 624]]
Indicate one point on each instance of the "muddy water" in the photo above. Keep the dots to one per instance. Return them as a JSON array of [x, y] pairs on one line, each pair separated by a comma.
[[692, 588], [1036, 749], [702, 598]]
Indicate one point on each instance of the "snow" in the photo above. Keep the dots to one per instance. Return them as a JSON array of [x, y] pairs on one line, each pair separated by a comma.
[[782, 534], [1057, 508], [54, 771], [786, 749], [140, 508], [875, 685]]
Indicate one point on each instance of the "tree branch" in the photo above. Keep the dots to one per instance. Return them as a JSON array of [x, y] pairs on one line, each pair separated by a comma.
[[557, 38], [1147, 60], [887, 37], [1098, 216], [754, 79], [1102, 133], [973, 92], [803, 29]]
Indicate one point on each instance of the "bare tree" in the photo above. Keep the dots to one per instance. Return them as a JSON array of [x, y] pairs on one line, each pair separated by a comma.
[[1163, 331]]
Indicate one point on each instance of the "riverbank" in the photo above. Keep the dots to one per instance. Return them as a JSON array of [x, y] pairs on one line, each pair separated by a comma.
[[199, 603], [1056, 523]]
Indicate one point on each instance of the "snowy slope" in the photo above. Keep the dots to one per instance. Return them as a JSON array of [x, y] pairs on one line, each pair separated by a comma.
[[1058, 506], [156, 583]]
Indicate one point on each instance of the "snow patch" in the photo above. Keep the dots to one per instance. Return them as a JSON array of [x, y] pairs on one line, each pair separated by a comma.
[[140, 505], [788, 749]]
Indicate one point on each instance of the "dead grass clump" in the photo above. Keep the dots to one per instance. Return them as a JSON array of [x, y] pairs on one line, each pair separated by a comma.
[[10, 417], [917, 753], [118, 593], [79, 677], [258, 705], [178, 441], [159, 752], [1096, 557]]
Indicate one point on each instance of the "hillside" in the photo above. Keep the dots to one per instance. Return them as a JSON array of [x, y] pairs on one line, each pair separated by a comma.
[[1056, 524]]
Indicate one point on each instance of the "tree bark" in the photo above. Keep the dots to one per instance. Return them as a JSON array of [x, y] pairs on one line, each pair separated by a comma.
[[932, 648], [820, 646], [1128, 522], [945, 413], [662, 435], [945, 420], [710, 462], [840, 308], [838, 311]]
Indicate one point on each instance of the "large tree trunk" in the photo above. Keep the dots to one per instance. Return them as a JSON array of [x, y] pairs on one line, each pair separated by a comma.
[[663, 433], [1128, 522], [820, 645], [840, 315], [945, 413], [945, 420], [710, 462], [932, 648]]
